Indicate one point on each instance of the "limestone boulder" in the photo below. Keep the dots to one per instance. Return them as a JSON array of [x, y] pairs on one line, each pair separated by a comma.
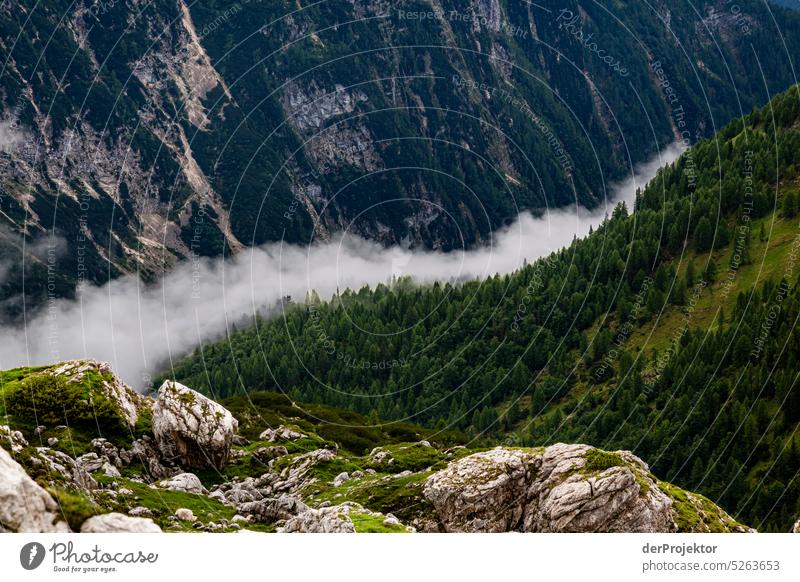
[[24, 506], [190, 429], [564, 488], [484, 492]]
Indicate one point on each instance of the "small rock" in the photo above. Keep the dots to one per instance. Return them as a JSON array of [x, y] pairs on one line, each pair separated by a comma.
[[110, 470], [281, 433], [89, 462], [139, 511], [327, 520], [268, 453], [185, 514], [275, 509], [379, 456], [15, 437], [144, 451], [185, 483], [340, 479], [104, 448], [52, 441]]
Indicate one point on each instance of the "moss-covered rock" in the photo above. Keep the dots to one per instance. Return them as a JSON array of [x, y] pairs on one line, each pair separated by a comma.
[[82, 394]]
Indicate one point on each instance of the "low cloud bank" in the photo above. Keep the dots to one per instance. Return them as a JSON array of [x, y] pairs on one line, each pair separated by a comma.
[[138, 328]]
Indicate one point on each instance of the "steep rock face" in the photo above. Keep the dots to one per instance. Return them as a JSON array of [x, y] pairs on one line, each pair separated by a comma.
[[192, 429], [24, 505], [564, 488], [119, 523]]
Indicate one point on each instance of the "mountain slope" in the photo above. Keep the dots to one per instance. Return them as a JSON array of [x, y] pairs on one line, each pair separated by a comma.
[[293, 468], [670, 332], [140, 133]]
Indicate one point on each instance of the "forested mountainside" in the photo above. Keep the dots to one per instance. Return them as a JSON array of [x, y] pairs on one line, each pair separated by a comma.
[[138, 133], [670, 332], [795, 4], [182, 462]]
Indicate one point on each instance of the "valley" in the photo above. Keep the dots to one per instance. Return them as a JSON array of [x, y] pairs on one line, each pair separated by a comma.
[[359, 266]]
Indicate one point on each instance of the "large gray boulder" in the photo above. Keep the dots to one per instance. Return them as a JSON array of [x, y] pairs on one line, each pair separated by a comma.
[[119, 523], [191, 429], [569, 495], [24, 506], [564, 488], [485, 492]]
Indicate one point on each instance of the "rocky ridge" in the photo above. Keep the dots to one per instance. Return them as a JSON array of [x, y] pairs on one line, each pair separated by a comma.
[[184, 466]]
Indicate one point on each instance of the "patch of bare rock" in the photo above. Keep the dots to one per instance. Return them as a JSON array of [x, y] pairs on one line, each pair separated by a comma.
[[561, 488]]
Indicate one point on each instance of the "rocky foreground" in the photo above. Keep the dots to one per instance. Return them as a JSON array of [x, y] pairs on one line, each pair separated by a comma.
[[116, 461]]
